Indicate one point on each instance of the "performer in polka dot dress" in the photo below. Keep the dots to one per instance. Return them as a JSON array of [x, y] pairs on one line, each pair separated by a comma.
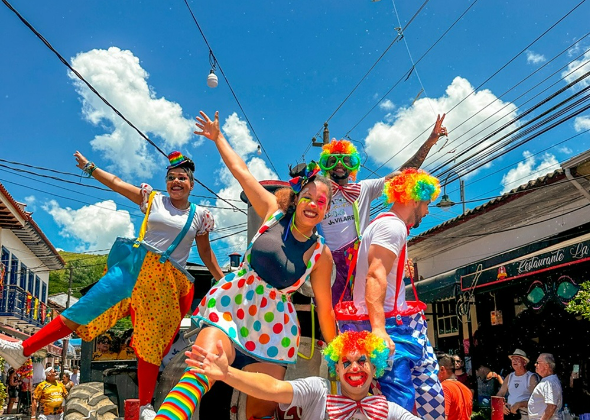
[[250, 311]]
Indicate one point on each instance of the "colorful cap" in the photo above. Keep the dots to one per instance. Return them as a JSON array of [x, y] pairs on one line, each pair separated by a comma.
[[177, 159]]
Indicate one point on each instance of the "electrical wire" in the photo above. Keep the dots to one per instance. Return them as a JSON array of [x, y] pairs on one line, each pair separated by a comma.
[[86, 185], [407, 73], [115, 110], [397, 38], [211, 54], [497, 71]]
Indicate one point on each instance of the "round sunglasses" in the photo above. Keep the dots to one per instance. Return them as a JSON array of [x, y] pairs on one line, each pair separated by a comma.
[[350, 162]]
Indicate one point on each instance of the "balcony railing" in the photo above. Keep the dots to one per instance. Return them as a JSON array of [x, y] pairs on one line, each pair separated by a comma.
[[16, 302]]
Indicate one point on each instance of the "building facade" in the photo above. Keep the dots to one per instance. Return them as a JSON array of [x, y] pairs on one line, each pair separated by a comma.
[[500, 276], [27, 256]]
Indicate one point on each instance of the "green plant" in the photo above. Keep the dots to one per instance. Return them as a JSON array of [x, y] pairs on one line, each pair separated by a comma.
[[481, 413], [580, 304], [3, 394]]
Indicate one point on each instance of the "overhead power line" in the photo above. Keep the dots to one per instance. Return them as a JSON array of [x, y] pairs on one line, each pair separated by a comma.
[[408, 72], [231, 89], [456, 139], [115, 110], [397, 38], [497, 71]]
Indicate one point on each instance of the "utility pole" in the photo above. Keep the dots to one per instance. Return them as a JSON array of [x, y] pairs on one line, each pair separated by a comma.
[[66, 341]]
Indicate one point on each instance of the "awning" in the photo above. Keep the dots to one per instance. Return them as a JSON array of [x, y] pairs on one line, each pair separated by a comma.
[[441, 286], [8, 338]]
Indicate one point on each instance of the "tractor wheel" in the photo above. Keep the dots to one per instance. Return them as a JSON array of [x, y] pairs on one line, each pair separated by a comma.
[[87, 401]]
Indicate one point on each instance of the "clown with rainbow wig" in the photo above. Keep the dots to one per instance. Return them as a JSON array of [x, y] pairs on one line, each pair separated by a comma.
[[351, 201], [379, 301], [355, 358]]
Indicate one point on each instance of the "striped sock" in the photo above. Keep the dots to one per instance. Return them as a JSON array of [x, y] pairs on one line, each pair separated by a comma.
[[182, 401]]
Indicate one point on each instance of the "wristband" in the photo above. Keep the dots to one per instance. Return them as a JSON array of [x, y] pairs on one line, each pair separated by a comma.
[[89, 168]]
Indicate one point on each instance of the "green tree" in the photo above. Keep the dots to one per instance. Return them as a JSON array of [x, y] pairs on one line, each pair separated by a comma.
[[86, 269], [580, 304]]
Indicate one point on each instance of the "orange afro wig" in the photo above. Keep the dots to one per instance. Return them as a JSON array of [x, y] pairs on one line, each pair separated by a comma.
[[411, 185]]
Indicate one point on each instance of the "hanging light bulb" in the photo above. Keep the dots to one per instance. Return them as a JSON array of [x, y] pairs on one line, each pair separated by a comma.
[[212, 80], [259, 150]]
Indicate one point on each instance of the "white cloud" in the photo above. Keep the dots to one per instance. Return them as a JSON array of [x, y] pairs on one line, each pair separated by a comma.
[[578, 72], [534, 58], [96, 226], [565, 150], [582, 123], [117, 76], [526, 170], [239, 137], [386, 139], [387, 105], [31, 201]]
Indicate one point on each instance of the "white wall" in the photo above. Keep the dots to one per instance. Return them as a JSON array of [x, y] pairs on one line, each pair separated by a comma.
[[9, 241]]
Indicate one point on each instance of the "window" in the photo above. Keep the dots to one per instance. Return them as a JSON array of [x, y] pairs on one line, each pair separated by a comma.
[[23, 276], [44, 293], [5, 258], [13, 269], [37, 286], [446, 318], [31, 282]]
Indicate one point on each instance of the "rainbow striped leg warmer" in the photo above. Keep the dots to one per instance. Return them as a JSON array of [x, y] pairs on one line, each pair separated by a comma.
[[182, 401]]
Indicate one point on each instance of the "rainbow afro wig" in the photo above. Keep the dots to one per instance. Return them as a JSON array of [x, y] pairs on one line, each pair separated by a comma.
[[363, 342], [411, 185], [340, 147]]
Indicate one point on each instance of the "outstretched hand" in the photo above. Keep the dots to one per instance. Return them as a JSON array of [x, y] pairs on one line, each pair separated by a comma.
[[81, 161], [439, 130], [209, 128], [215, 366]]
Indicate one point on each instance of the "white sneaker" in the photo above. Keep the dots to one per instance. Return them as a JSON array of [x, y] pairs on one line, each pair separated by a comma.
[[147, 412], [12, 352]]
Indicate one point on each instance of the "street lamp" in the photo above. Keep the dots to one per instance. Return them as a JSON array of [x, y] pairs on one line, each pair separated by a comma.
[[212, 80], [446, 203]]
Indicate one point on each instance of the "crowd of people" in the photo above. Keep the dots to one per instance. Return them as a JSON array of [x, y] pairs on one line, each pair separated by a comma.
[[249, 332], [45, 397]]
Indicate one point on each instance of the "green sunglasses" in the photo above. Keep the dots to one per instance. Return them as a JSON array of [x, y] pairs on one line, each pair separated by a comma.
[[350, 162]]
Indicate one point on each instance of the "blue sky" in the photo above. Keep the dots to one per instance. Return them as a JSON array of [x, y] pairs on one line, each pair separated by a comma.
[[291, 65]]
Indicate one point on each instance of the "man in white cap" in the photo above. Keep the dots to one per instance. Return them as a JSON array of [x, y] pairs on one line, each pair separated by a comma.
[[50, 395], [519, 386]]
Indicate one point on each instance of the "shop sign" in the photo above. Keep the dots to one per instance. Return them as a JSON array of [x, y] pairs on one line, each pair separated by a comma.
[[551, 260], [496, 318]]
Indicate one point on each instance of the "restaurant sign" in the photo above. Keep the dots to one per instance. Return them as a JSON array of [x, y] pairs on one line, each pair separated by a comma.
[[550, 260]]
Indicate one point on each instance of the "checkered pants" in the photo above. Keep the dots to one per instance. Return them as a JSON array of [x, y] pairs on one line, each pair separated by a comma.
[[413, 380]]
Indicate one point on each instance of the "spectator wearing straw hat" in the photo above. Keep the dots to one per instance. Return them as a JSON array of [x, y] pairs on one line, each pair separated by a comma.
[[518, 387]]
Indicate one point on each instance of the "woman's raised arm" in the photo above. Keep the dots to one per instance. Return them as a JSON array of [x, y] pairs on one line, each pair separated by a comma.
[[109, 180], [263, 202]]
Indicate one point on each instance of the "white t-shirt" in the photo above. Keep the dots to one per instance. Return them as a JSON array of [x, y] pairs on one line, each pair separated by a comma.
[[74, 377], [391, 233], [310, 395], [338, 225], [518, 387], [548, 391], [38, 373], [165, 223]]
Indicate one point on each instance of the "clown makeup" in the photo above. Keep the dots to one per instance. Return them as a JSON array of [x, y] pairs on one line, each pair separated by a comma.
[[356, 370], [321, 201], [361, 361]]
